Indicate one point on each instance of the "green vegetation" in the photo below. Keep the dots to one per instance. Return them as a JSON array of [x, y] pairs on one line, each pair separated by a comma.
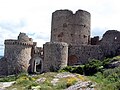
[[8, 78], [107, 80], [98, 71], [29, 82]]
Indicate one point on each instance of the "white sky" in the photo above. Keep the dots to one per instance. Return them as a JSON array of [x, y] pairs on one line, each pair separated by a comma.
[[34, 17]]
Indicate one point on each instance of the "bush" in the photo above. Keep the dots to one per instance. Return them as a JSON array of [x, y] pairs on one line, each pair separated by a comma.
[[78, 69], [93, 67], [66, 69]]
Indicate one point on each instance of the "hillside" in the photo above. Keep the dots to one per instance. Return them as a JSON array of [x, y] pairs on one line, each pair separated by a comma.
[[95, 75]]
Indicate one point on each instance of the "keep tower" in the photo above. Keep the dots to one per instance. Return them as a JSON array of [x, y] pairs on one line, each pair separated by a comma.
[[71, 28]]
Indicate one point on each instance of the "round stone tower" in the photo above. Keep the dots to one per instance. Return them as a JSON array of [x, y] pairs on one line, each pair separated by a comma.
[[61, 26], [55, 56], [82, 27], [18, 53], [70, 28]]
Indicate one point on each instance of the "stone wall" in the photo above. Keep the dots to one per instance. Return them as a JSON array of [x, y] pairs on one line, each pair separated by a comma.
[[3, 67], [110, 43], [18, 57], [55, 56], [70, 28], [95, 40], [81, 54]]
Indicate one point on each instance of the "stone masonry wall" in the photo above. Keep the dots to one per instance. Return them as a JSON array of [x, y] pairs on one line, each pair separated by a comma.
[[70, 28], [18, 54], [3, 67], [110, 43], [55, 56], [81, 54]]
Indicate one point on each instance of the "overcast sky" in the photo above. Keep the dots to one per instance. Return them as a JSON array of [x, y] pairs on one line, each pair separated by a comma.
[[34, 17]]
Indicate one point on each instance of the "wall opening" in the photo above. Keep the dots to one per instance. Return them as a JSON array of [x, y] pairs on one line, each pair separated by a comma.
[[38, 65]]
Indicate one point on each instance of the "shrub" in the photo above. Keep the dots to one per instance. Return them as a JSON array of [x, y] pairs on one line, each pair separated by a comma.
[[67, 69], [93, 67], [78, 69]]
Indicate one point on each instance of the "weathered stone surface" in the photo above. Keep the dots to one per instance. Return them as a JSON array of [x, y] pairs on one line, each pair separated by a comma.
[[114, 64], [4, 85], [86, 85], [3, 67]]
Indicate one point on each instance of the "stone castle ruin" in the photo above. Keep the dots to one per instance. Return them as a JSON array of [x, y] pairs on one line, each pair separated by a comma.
[[70, 44]]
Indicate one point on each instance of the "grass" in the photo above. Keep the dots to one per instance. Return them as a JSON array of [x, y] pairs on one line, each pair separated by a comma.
[[8, 78]]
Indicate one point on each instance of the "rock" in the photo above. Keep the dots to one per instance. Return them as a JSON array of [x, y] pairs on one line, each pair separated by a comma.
[[54, 81], [82, 86], [114, 64], [35, 88], [40, 80], [64, 75], [3, 85]]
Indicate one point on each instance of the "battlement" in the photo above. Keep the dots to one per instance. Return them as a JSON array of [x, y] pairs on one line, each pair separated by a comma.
[[16, 42]]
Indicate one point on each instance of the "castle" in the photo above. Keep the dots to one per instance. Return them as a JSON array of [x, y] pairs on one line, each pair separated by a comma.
[[70, 44]]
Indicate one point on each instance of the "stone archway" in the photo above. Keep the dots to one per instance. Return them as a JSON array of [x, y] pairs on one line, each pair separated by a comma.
[[38, 65]]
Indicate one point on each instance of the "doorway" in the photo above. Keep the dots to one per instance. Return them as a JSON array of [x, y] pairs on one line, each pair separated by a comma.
[[38, 65]]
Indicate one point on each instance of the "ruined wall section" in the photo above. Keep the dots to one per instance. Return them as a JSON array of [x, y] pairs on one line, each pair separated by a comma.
[[18, 53], [55, 56], [110, 43], [70, 28], [81, 54], [95, 40]]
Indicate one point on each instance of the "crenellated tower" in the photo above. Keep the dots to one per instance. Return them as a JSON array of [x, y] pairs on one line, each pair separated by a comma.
[[18, 53]]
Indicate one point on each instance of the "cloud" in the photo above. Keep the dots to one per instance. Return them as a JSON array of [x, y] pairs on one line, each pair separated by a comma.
[[40, 38], [12, 25]]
